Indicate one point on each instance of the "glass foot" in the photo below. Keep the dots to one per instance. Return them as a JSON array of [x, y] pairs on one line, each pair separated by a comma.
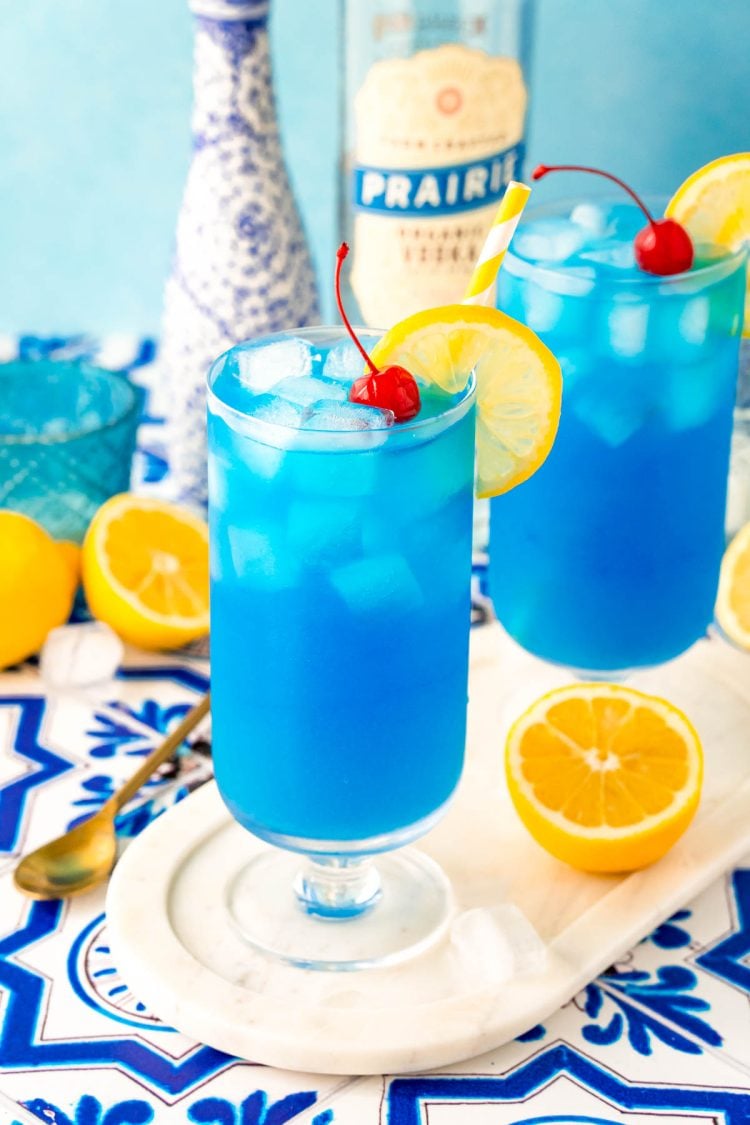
[[335, 913]]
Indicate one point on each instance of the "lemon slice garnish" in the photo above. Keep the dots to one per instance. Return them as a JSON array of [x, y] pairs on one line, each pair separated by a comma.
[[519, 384]]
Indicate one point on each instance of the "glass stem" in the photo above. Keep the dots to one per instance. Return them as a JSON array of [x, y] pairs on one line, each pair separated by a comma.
[[337, 887]]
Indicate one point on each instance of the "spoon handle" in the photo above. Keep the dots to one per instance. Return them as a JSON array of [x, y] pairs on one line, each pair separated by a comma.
[[162, 752]]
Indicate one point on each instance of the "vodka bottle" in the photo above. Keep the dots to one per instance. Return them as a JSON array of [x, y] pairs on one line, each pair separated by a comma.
[[241, 266], [434, 108], [738, 497]]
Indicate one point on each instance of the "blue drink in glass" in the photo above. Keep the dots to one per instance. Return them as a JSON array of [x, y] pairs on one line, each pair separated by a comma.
[[608, 558], [341, 555]]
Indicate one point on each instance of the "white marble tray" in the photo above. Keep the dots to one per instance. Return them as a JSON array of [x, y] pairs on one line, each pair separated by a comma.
[[473, 991]]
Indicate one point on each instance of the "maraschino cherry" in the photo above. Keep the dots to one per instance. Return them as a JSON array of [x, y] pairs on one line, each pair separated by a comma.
[[663, 247], [393, 388]]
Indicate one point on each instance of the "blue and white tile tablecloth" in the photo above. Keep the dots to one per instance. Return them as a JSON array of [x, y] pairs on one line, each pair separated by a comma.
[[662, 1037]]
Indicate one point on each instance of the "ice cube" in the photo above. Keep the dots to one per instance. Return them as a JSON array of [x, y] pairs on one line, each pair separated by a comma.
[[694, 320], [544, 309], [591, 218], [495, 944], [627, 329], [681, 329], [382, 584], [549, 240], [614, 409], [441, 479], [575, 364], [367, 425], [264, 461], [260, 559], [217, 485], [236, 443], [281, 414], [305, 390], [260, 366], [615, 255], [319, 529], [344, 362], [692, 393], [327, 474], [340, 414], [82, 655]]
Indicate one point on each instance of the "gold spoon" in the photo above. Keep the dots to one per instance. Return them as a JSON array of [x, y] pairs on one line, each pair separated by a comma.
[[84, 856]]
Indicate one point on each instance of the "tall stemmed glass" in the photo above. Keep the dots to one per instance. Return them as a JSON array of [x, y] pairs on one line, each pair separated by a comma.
[[341, 559]]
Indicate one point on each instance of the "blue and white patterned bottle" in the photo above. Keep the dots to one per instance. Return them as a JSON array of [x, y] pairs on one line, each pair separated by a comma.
[[242, 266]]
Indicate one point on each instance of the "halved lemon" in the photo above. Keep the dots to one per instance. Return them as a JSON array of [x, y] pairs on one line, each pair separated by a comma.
[[714, 205], [145, 571], [519, 385], [733, 601], [605, 777]]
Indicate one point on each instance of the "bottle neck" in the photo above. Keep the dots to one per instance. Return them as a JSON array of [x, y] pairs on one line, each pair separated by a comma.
[[252, 10], [232, 79]]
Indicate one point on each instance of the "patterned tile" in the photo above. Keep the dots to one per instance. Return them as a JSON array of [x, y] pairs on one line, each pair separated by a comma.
[[76, 1046], [551, 1076], [243, 1095], [34, 765], [61, 757], [694, 975], [42, 745], [663, 1037], [72, 1035]]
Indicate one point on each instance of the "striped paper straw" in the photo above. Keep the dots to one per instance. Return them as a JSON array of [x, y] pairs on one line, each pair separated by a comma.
[[481, 288]]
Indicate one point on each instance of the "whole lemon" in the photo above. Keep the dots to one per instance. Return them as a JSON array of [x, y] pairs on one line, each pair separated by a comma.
[[37, 587]]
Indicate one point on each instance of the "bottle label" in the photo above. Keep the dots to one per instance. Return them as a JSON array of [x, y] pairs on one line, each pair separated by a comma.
[[436, 191], [438, 137]]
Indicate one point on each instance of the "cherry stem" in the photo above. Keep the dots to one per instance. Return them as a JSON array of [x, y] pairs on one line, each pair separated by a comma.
[[542, 170], [341, 253]]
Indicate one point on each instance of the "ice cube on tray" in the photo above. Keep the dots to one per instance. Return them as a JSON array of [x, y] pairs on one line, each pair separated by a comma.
[[80, 655]]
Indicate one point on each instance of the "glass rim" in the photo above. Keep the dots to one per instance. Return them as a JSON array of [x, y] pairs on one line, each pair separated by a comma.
[[705, 274], [249, 423], [130, 408]]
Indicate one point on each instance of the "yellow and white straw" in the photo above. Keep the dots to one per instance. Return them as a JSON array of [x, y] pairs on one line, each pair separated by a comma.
[[481, 288]]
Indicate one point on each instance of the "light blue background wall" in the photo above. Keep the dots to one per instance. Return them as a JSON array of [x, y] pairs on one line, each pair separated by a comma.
[[94, 137]]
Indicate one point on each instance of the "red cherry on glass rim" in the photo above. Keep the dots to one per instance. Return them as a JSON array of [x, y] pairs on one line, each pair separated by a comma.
[[393, 388], [663, 247]]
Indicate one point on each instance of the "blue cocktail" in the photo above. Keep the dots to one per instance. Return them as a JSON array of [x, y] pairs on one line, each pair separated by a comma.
[[341, 553], [608, 559]]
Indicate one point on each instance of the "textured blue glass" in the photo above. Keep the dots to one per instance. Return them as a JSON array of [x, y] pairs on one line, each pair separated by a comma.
[[67, 437]]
